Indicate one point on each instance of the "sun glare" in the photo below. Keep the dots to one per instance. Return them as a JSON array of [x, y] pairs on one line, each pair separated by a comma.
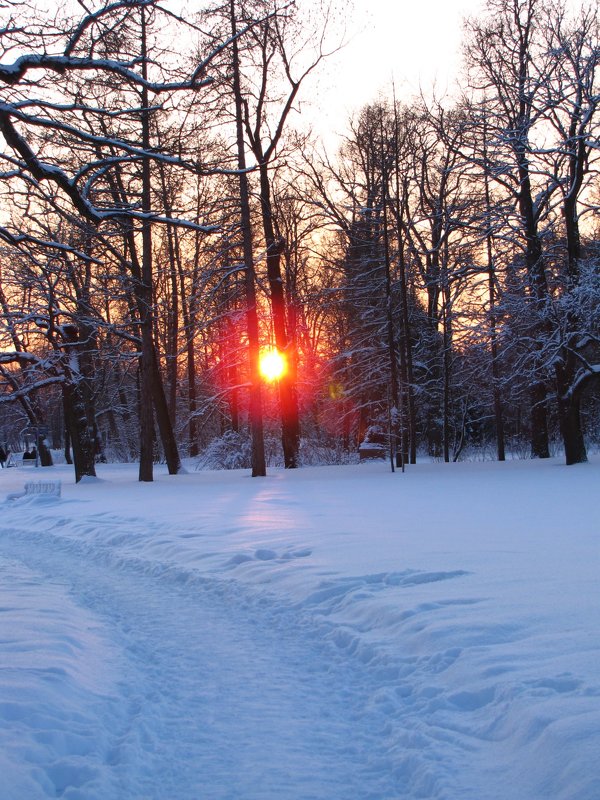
[[272, 365]]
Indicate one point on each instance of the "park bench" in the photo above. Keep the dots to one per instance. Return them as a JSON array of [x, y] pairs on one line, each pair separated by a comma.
[[39, 489]]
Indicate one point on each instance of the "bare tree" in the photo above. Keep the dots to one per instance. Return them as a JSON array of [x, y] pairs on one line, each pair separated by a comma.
[[102, 142]]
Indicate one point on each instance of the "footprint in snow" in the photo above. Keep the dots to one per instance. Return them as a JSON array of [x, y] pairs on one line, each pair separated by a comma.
[[266, 554]]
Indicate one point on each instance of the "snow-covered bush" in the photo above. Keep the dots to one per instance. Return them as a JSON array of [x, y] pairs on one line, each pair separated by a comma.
[[232, 450], [315, 453]]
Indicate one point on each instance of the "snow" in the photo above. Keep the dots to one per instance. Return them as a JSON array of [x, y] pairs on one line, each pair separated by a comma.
[[328, 633]]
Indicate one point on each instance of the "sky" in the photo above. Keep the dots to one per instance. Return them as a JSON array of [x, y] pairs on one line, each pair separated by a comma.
[[409, 44]]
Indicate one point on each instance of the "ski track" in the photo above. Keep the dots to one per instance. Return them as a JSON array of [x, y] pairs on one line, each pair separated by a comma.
[[196, 661]]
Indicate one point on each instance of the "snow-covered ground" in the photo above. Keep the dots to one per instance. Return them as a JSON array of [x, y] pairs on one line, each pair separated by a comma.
[[332, 633]]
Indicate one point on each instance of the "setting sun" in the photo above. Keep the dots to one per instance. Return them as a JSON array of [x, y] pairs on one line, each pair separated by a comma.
[[272, 365]]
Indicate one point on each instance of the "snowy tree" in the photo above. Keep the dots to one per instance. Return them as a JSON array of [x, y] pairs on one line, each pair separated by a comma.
[[64, 133]]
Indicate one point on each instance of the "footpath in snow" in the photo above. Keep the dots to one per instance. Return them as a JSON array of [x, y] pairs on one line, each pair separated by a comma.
[[333, 633]]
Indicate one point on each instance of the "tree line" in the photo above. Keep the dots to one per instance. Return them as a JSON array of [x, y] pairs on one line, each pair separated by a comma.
[[433, 284]]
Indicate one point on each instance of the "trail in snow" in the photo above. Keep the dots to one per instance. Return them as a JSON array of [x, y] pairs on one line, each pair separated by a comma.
[[324, 633], [210, 702]]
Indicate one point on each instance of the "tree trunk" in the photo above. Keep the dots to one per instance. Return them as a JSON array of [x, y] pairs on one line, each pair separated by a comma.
[[446, 369], [77, 404], [498, 406], [569, 416], [539, 297], [67, 448], [188, 316], [144, 293], [192, 397], [396, 454], [539, 421], [409, 418], [569, 402], [173, 331], [165, 428], [76, 421], [259, 468], [570, 426], [288, 397]]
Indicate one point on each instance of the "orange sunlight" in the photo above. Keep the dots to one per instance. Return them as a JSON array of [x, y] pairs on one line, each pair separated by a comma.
[[272, 365]]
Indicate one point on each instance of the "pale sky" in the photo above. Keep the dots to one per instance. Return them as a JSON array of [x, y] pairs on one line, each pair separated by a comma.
[[412, 43]]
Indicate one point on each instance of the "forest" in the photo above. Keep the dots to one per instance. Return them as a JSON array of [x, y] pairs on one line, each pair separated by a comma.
[[432, 287]]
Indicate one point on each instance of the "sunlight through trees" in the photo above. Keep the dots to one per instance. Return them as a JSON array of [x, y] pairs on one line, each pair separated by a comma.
[[435, 283]]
